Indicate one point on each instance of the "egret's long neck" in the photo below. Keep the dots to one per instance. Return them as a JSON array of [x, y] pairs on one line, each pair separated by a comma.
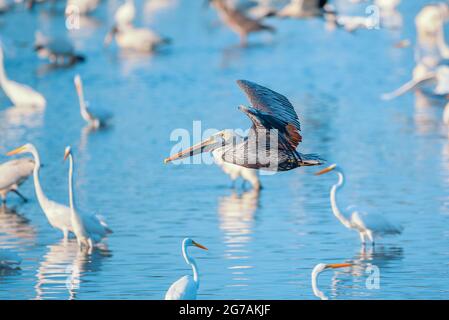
[[71, 193], [41, 197], [333, 198], [317, 292], [82, 102], [190, 261]]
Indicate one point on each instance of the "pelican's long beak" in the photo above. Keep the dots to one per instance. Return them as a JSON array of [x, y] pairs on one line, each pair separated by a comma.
[[201, 147], [199, 245], [16, 151], [338, 265], [110, 36], [326, 170]]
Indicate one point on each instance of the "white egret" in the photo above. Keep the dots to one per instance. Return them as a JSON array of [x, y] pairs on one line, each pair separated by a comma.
[[58, 215], [186, 287], [87, 231], [58, 50], [12, 174], [422, 74], [135, 39], [19, 94], [125, 14], [369, 226], [93, 121], [316, 272], [80, 7], [9, 259]]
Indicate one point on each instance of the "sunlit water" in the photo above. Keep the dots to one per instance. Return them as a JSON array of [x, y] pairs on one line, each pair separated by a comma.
[[395, 155]]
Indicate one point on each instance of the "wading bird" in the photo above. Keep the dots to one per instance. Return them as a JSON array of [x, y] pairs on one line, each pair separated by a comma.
[[272, 140], [12, 174], [238, 21], [439, 77], [320, 267], [87, 234], [369, 226], [58, 215], [186, 287], [135, 39], [58, 50], [9, 260], [19, 94], [93, 121]]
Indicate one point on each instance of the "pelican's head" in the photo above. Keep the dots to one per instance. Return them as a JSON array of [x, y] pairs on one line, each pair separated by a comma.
[[187, 242], [215, 141], [26, 148], [67, 152], [328, 169]]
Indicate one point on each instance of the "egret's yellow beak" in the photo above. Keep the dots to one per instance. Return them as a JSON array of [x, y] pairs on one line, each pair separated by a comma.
[[199, 245], [66, 154], [326, 170], [16, 151], [338, 265], [198, 148]]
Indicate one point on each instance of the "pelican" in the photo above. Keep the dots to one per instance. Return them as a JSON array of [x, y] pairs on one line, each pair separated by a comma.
[[59, 50], [87, 234], [302, 9], [135, 39], [81, 7], [9, 259], [320, 267], [19, 94], [421, 75], [239, 22], [186, 287], [12, 174], [273, 118], [93, 121], [58, 215], [369, 226]]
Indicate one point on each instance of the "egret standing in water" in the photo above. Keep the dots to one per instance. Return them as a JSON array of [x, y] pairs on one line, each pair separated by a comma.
[[272, 140], [186, 287], [19, 94], [369, 226], [316, 272], [59, 215], [12, 174], [93, 121]]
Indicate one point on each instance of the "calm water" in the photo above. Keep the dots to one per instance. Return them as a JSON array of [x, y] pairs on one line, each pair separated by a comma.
[[395, 154]]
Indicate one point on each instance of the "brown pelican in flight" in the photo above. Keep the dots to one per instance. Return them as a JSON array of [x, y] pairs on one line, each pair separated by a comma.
[[272, 140], [238, 22]]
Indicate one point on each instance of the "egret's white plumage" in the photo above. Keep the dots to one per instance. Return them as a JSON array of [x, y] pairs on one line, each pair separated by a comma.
[[81, 7], [369, 226], [125, 14], [9, 259], [186, 287], [19, 94], [94, 121], [59, 215], [12, 174], [320, 267], [136, 39]]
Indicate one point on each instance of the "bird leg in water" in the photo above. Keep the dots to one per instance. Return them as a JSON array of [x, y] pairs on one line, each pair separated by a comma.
[[20, 195]]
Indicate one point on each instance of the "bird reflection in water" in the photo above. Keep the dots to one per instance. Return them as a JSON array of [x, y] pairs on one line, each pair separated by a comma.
[[15, 227], [356, 275], [236, 214], [427, 114], [62, 269]]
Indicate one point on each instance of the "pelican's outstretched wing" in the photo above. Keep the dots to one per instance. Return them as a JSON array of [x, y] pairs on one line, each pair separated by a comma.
[[271, 110]]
